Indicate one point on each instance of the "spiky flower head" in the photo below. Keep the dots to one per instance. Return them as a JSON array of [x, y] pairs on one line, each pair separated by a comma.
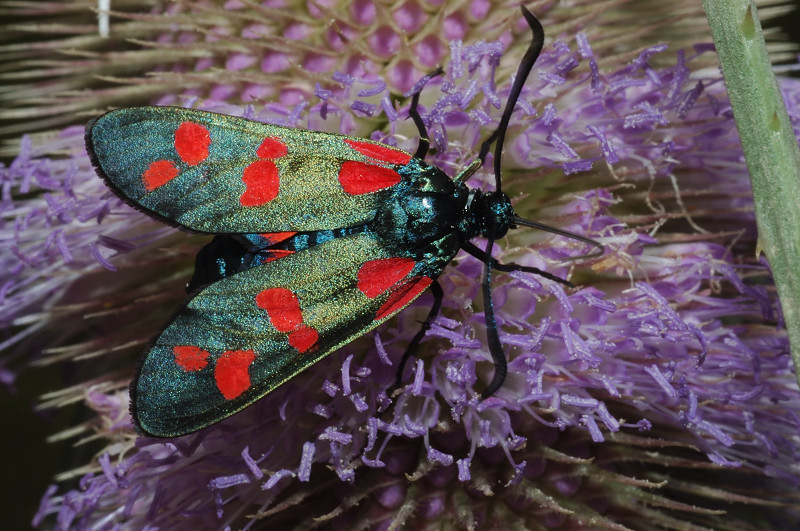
[[658, 393]]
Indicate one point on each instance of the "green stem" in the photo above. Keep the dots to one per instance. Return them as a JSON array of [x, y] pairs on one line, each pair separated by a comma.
[[770, 147]]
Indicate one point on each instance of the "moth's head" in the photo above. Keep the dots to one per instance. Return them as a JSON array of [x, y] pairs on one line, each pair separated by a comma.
[[496, 214]]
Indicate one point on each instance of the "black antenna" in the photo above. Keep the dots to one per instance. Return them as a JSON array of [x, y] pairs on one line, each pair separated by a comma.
[[524, 69], [541, 226]]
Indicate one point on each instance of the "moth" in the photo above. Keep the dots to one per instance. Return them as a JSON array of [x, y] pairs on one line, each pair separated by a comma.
[[320, 238]]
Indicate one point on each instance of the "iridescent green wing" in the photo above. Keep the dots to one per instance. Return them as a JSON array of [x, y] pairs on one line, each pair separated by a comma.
[[245, 335], [216, 173]]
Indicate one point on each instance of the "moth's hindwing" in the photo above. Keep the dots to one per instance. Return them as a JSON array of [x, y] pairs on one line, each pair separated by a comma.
[[222, 174], [246, 334]]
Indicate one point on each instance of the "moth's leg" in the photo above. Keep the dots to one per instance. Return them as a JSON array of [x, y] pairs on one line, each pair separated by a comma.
[[424, 140], [438, 295], [486, 259]]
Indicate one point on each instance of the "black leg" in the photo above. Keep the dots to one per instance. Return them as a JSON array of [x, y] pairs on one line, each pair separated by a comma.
[[424, 140], [438, 296], [486, 258]]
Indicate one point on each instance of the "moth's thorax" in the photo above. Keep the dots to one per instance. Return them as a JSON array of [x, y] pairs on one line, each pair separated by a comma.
[[425, 207]]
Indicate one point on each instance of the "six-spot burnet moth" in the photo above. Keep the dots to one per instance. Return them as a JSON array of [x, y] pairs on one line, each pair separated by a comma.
[[320, 238]]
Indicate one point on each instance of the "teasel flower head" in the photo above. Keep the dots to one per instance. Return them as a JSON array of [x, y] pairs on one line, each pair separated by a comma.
[[659, 392]]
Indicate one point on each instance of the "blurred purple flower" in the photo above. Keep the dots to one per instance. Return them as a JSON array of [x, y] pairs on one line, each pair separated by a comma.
[[668, 368]]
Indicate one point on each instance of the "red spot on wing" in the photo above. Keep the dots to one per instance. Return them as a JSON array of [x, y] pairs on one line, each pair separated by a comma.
[[276, 254], [377, 276], [402, 296], [231, 372], [191, 143], [282, 307], [190, 358], [261, 179], [379, 152], [271, 148], [158, 174], [276, 237], [304, 338], [359, 178]]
